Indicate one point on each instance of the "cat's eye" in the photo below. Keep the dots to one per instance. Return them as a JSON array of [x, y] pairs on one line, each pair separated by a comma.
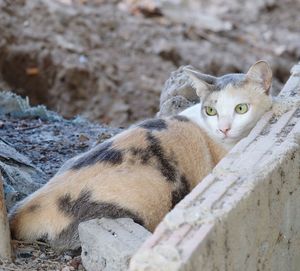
[[241, 108], [210, 111]]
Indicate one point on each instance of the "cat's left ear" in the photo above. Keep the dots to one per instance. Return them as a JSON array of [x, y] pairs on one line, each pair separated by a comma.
[[261, 73], [202, 83]]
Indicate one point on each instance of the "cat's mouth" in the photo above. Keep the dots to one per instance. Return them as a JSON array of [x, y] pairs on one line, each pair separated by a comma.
[[231, 137]]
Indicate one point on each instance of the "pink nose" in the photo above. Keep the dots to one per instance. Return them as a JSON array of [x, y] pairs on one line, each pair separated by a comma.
[[224, 130]]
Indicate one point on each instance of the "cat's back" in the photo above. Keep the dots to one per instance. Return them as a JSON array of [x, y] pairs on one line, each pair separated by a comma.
[[156, 143], [140, 173]]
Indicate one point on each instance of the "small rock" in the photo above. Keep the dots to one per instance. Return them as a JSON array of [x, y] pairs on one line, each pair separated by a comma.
[[68, 268], [25, 252], [67, 258], [177, 94], [43, 256], [108, 244], [82, 59], [83, 138], [148, 8]]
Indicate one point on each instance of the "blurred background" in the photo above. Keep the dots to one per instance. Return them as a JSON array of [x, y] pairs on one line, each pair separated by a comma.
[[108, 60]]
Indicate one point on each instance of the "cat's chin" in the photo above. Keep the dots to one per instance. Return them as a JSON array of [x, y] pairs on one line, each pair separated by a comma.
[[227, 141]]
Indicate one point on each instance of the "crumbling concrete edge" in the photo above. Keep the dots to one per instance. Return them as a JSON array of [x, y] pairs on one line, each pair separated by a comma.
[[244, 215]]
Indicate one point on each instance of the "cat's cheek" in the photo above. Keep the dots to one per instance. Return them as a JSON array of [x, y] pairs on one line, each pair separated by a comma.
[[213, 124]]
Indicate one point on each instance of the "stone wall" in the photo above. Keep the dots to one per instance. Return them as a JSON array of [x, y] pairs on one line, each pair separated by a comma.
[[245, 214]]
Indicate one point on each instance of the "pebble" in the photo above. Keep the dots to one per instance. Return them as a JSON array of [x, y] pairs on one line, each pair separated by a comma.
[[43, 256], [68, 268], [76, 262], [67, 258]]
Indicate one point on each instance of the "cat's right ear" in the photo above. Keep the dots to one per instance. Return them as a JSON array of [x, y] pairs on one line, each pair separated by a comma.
[[202, 83], [261, 73]]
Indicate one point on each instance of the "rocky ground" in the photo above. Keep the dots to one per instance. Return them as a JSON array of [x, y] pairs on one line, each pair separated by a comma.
[[109, 59], [40, 257]]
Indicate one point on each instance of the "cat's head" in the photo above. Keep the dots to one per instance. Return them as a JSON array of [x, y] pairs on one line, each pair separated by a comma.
[[232, 104]]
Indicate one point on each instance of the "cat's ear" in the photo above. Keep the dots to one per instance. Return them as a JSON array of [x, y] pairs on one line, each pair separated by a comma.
[[261, 73], [202, 83]]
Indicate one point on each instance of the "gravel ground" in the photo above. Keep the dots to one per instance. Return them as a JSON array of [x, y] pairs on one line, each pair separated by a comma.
[[49, 143], [39, 256]]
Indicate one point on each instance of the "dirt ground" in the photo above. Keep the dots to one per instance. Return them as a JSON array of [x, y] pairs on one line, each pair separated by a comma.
[[108, 59]]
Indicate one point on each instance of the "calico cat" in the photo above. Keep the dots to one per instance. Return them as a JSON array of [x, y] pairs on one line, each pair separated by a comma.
[[143, 172]]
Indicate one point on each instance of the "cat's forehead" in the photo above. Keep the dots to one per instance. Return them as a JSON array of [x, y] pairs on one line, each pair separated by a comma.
[[233, 79], [229, 86]]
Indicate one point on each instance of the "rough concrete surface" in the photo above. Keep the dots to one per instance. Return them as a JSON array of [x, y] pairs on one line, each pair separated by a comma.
[[177, 94], [108, 244], [245, 214]]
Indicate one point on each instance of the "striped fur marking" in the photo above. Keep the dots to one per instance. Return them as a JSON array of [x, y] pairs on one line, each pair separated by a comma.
[[83, 208], [181, 191], [181, 118], [154, 124], [102, 153], [165, 164]]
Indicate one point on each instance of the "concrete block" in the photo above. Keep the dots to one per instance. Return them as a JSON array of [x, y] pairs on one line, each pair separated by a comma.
[[245, 214], [108, 244]]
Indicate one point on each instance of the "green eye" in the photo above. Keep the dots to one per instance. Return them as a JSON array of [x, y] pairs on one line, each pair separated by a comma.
[[210, 111], [241, 108]]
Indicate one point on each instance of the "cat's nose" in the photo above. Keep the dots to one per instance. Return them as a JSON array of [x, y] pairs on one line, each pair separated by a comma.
[[224, 130]]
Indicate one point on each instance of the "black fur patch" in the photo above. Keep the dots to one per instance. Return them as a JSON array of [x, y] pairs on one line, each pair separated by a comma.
[[154, 151], [143, 154], [181, 192], [181, 118], [101, 153], [165, 166], [64, 204], [83, 209], [154, 124]]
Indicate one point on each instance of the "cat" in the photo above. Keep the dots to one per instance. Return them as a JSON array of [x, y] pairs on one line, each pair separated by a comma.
[[143, 172]]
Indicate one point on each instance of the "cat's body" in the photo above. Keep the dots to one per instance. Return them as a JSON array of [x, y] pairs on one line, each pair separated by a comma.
[[144, 171]]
